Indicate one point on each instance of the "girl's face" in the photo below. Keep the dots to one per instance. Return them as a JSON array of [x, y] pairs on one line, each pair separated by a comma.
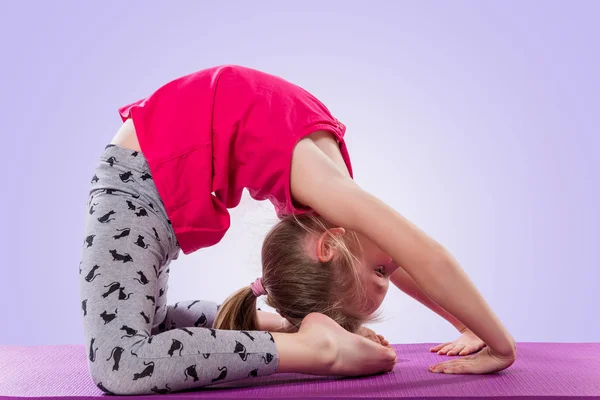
[[375, 268]]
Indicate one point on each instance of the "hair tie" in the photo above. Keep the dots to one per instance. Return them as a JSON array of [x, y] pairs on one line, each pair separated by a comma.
[[257, 287]]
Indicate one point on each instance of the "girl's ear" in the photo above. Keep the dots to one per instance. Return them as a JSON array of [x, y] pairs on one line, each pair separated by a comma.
[[326, 251]]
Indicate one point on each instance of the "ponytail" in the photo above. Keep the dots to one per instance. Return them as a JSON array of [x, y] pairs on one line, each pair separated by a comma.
[[238, 312]]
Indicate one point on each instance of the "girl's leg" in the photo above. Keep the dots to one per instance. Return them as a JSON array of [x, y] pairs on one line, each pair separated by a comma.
[[322, 347], [127, 245], [185, 314]]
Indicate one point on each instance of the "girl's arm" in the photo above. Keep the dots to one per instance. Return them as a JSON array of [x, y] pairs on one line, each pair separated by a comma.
[[403, 281], [271, 322], [317, 182]]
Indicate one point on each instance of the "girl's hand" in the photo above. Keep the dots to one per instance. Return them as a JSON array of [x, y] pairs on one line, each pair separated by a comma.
[[483, 362], [370, 334], [467, 344]]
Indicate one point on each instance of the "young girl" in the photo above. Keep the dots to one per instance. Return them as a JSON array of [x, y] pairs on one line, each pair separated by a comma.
[[182, 158]]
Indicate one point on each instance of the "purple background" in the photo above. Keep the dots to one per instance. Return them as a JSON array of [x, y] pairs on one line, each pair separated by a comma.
[[476, 120]]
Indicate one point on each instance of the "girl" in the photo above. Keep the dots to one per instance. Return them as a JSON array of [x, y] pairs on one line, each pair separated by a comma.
[[182, 158]]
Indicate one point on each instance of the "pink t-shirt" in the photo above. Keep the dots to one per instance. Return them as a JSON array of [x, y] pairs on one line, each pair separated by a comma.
[[208, 135]]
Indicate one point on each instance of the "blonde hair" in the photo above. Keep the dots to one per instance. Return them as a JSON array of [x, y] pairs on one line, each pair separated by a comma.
[[298, 283]]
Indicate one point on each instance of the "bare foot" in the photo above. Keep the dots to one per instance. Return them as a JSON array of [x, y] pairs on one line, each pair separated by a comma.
[[344, 353]]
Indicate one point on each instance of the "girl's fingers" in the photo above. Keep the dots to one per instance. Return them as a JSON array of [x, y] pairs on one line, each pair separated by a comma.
[[445, 349], [457, 349], [455, 369], [472, 349], [437, 348], [449, 365], [439, 367], [468, 350]]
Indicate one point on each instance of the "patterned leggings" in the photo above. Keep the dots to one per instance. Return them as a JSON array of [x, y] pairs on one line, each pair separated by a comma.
[[136, 343]]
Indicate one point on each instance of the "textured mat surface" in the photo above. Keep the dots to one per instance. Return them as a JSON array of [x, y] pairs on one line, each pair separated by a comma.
[[542, 371]]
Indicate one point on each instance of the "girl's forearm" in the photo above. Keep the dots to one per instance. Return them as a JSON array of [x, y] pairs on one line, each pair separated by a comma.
[[270, 322], [434, 270], [403, 281]]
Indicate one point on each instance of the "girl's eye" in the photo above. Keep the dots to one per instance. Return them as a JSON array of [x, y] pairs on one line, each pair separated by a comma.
[[381, 270]]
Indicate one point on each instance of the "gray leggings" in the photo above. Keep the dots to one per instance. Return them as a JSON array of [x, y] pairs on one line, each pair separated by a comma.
[[136, 343]]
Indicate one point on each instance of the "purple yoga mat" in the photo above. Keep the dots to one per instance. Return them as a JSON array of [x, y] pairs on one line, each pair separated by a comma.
[[542, 371]]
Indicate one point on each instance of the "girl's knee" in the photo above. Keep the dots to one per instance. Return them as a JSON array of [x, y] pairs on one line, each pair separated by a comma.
[[115, 381], [103, 380], [115, 385]]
